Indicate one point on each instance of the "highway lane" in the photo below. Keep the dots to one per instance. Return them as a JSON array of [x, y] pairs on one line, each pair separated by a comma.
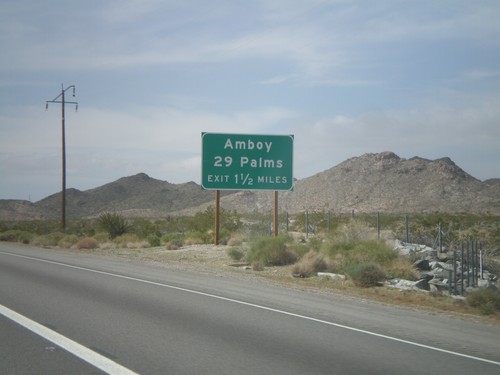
[[24, 352], [158, 321]]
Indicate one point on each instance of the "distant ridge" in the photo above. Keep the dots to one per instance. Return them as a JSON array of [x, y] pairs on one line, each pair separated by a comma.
[[368, 183], [385, 182]]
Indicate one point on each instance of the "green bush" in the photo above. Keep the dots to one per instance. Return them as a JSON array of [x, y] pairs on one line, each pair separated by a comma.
[[365, 274], [114, 224], [145, 228], [51, 239], [345, 254], [68, 240], [235, 253], [173, 240], [402, 269], [272, 251], [15, 235], [486, 300], [154, 240], [127, 240], [198, 237]]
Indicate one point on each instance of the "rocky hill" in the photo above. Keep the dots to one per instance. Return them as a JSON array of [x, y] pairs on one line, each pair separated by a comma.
[[368, 183], [382, 182]]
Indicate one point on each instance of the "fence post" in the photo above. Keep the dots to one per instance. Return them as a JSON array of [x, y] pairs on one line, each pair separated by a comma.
[[468, 264], [307, 223], [472, 263], [406, 225], [440, 239], [329, 219], [462, 270], [477, 263], [455, 272], [449, 281], [481, 260], [378, 225]]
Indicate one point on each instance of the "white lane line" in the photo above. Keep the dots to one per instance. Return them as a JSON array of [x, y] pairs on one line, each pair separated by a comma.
[[82, 352], [263, 308]]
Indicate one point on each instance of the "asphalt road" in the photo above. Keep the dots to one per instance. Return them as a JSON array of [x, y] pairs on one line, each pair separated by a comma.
[[64, 312]]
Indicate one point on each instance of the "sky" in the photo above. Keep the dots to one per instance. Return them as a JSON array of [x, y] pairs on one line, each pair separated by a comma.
[[345, 77]]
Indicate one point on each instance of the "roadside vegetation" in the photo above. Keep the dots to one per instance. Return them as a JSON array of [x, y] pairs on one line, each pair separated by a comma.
[[353, 247]]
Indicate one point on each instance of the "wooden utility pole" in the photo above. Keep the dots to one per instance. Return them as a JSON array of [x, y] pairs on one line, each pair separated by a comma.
[[63, 103]]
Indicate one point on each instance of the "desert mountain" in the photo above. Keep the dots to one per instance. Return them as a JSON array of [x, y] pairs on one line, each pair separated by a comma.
[[383, 182], [368, 183]]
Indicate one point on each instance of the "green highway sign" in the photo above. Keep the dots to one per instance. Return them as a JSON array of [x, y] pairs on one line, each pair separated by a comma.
[[246, 162]]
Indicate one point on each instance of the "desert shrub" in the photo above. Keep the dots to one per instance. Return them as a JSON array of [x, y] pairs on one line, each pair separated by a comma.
[[172, 246], [486, 300], [68, 240], [402, 269], [188, 241], [310, 264], [355, 230], [137, 245], [81, 228], [173, 241], [258, 266], [272, 251], [127, 240], [344, 254], [101, 237], [198, 237], [87, 243], [145, 228], [234, 241], [315, 243], [114, 224], [365, 274], [51, 239], [107, 245], [235, 253], [16, 235], [154, 240]]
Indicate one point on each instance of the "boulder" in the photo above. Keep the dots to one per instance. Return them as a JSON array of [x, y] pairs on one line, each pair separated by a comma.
[[438, 284], [422, 284], [422, 265], [333, 276]]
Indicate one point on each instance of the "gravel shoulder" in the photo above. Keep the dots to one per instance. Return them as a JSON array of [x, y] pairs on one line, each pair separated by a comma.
[[211, 259]]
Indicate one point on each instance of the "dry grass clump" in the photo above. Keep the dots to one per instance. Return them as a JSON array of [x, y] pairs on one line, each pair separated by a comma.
[[236, 239], [258, 265], [367, 274], [107, 246], [193, 241], [172, 245], [137, 245], [87, 243], [486, 300], [402, 269], [310, 264]]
